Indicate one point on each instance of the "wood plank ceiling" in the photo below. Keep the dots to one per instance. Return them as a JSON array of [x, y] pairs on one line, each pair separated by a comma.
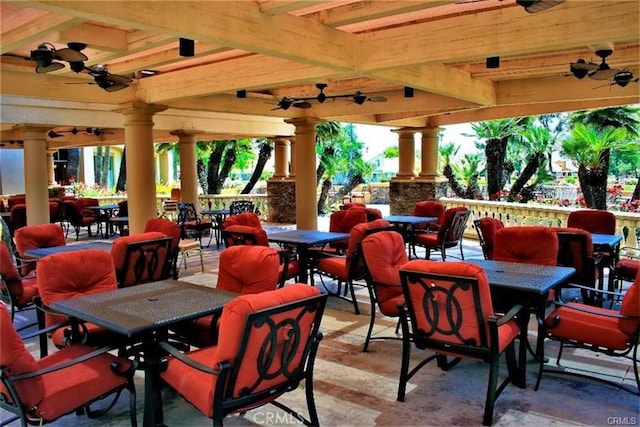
[[282, 48]]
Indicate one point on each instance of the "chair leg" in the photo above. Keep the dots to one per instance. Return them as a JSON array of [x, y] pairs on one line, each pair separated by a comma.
[[354, 301], [201, 260], [487, 420], [371, 322], [406, 355]]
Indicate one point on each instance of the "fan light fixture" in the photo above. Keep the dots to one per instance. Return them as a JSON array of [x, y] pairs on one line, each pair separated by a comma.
[[357, 97], [535, 6]]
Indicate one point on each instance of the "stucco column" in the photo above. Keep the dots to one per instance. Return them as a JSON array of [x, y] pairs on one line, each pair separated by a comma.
[[163, 167], [188, 166], [406, 152], [305, 166], [141, 180], [429, 147], [292, 157], [36, 174], [281, 165], [51, 175]]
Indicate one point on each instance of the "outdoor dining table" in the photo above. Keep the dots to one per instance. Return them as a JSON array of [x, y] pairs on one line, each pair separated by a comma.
[[607, 243], [41, 252], [527, 284], [302, 240], [107, 212], [143, 314], [406, 223], [119, 221], [218, 216]]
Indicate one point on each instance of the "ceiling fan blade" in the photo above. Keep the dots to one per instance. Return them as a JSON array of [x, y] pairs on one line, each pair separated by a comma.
[[302, 104], [116, 86], [119, 79], [54, 66], [603, 74], [70, 55], [377, 99]]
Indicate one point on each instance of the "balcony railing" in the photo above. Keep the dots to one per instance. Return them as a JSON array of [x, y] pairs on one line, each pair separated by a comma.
[[512, 214]]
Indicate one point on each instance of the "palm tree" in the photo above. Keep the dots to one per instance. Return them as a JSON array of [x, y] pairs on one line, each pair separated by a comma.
[[537, 141], [497, 134], [447, 151], [265, 148], [467, 171], [623, 117], [589, 147]]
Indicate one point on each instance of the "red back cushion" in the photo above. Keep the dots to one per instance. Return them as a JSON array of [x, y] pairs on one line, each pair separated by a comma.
[[385, 253], [248, 269], [344, 221], [429, 208], [166, 227], [445, 231], [531, 245], [16, 200], [631, 307], [71, 274], [232, 323], [358, 232], [592, 220], [39, 236], [15, 356], [258, 233], [469, 325], [249, 219], [488, 228], [347, 206]]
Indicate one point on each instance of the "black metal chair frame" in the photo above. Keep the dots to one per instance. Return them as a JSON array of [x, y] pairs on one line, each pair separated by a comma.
[[486, 349], [457, 226], [563, 370], [187, 212], [149, 261], [590, 266], [241, 206], [12, 403], [224, 401], [72, 213], [7, 296]]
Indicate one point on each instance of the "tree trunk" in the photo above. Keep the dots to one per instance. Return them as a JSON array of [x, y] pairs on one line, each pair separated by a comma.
[[105, 166], [73, 163], [213, 169], [324, 192], [495, 151], [97, 168], [263, 157], [636, 190], [529, 170], [202, 176], [227, 164], [455, 186], [121, 185]]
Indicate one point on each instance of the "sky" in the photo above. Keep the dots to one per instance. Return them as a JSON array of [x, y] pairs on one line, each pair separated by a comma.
[[378, 138]]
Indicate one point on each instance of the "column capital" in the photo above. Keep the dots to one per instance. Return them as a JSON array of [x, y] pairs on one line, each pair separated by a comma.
[[430, 130], [24, 128], [185, 135], [280, 140], [405, 131], [140, 112], [304, 124]]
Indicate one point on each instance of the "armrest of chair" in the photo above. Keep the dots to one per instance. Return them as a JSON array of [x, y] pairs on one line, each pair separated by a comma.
[[173, 351], [68, 363], [510, 315], [590, 309], [24, 262], [42, 309]]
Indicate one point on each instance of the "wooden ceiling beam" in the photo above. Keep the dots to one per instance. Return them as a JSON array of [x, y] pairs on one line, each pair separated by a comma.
[[35, 31], [508, 31], [96, 37]]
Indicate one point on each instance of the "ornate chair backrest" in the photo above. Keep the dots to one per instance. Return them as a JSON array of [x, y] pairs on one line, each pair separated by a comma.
[[383, 253], [141, 258], [123, 208], [453, 224], [70, 274], [593, 220], [449, 304], [241, 206], [486, 228], [575, 249], [244, 235], [170, 229], [248, 269], [249, 219], [270, 341], [187, 212], [530, 245]]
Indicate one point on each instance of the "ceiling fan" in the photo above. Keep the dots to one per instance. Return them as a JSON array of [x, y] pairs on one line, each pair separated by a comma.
[[45, 54], [603, 71], [74, 131], [622, 78], [358, 98], [581, 68], [105, 80]]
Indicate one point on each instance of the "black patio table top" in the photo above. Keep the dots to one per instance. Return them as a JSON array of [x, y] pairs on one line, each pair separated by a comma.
[[41, 252]]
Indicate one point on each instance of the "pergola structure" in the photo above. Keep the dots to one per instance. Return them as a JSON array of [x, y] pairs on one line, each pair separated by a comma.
[[435, 62]]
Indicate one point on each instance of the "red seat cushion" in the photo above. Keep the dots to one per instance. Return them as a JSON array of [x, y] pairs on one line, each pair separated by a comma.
[[488, 229], [627, 269], [631, 307]]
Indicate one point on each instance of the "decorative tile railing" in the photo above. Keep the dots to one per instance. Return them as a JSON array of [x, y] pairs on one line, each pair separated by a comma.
[[515, 214]]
